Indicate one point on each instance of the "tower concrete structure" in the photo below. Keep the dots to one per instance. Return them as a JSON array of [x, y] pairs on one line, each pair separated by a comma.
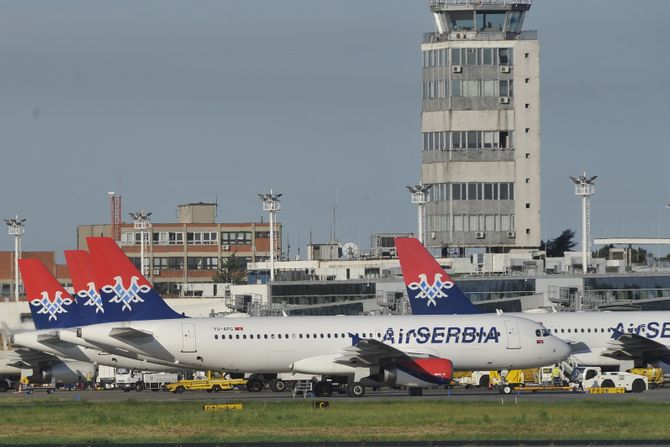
[[480, 125]]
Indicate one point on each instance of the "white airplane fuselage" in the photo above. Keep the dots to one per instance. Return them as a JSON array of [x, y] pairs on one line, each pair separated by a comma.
[[275, 344], [592, 335]]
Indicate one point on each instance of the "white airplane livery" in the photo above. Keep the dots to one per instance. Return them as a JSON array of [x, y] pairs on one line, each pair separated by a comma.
[[603, 339], [415, 351]]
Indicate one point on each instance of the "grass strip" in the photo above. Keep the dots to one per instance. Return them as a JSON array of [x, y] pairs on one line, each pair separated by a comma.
[[59, 421]]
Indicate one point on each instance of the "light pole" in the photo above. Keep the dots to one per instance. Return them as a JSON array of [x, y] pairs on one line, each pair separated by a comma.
[[142, 222], [585, 188], [271, 205], [15, 228], [420, 198]]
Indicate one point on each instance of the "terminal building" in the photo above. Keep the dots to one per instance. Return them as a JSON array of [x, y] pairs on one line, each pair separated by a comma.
[[480, 125]]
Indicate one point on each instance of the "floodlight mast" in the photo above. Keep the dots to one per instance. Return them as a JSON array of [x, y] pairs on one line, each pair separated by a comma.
[[271, 205], [16, 228], [420, 198], [142, 222], [585, 188]]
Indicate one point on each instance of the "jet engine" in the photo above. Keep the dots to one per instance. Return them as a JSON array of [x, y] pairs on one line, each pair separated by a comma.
[[416, 373], [68, 372]]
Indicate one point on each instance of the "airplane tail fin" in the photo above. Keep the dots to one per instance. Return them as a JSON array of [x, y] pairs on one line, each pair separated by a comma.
[[89, 301], [126, 293], [50, 304], [430, 289]]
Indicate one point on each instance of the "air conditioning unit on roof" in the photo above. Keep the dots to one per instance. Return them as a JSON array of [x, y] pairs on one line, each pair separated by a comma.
[[480, 235], [504, 100], [456, 69], [505, 69]]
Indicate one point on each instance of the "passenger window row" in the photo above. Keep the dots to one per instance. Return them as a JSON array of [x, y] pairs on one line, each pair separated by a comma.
[[576, 330], [293, 336]]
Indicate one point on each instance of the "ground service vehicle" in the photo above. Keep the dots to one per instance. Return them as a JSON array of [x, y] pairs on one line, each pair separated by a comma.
[[593, 377], [106, 377], [654, 376], [469, 379], [210, 385], [128, 379]]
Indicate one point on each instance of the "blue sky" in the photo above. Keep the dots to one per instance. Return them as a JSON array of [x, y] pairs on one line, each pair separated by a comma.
[[191, 101]]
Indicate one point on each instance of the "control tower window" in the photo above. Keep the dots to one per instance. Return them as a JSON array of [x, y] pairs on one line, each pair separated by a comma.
[[505, 56], [461, 20], [514, 24], [488, 56], [490, 21], [456, 56]]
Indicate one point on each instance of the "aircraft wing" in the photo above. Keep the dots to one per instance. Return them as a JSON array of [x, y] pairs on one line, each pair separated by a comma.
[[25, 358], [626, 346], [130, 334], [368, 352]]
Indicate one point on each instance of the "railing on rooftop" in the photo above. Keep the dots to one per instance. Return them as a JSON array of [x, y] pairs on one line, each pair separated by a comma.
[[441, 3], [471, 35]]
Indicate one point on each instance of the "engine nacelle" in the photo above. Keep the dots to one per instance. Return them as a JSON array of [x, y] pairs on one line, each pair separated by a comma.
[[419, 373], [68, 372]]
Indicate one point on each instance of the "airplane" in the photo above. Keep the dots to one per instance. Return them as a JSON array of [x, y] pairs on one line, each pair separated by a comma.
[[54, 310], [414, 351], [611, 340]]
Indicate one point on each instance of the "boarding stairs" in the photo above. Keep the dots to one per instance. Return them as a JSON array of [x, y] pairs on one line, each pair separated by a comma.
[[303, 387], [567, 366]]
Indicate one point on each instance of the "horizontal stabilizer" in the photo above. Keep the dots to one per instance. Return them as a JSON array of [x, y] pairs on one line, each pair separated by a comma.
[[49, 337], [129, 333]]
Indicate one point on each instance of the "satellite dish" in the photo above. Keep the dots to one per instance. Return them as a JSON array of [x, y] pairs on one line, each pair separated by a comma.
[[351, 251]]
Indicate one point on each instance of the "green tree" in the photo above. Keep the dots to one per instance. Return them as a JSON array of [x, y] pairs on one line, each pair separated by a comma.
[[555, 248], [604, 252], [233, 270], [638, 255]]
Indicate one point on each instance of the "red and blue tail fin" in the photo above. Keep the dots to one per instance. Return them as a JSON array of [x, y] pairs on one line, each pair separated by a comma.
[[430, 289], [126, 293], [89, 301], [50, 304]]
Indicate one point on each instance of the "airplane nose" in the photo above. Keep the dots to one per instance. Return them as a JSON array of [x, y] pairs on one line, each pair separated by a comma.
[[561, 348]]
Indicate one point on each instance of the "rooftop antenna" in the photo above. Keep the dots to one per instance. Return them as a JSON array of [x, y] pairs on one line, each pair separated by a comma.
[[337, 203], [115, 204]]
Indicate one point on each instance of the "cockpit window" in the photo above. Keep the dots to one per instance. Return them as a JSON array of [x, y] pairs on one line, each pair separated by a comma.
[[545, 333], [537, 332]]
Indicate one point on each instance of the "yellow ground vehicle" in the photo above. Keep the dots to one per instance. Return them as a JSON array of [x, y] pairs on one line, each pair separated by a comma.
[[210, 384], [653, 375]]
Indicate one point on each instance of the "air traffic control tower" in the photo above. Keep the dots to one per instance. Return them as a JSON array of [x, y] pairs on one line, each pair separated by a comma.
[[480, 125]]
